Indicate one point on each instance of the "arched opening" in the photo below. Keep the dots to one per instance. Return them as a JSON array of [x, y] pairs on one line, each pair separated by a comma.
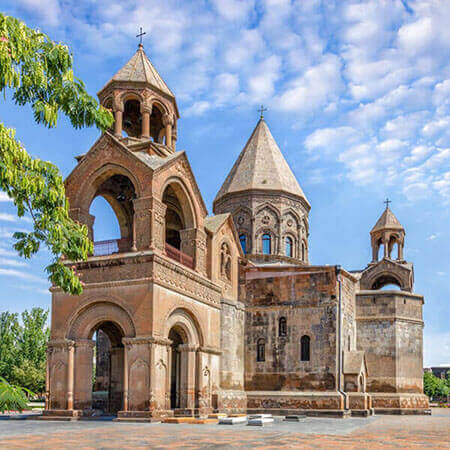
[[156, 125], [175, 221], [303, 251], [261, 350], [385, 282], [114, 197], [132, 118], [108, 369], [305, 343], [282, 327], [176, 373], [289, 246], [243, 241], [266, 244], [179, 217]]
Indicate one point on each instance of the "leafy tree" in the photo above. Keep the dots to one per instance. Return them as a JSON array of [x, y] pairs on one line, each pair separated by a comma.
[[39, 72], [435, 387], [9, 332], [29, 366], [12, 398]]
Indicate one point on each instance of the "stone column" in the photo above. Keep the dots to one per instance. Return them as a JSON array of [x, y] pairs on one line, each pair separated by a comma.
[[188, 373], [116, 381], [118, 115], [149, 219], [174, 138], [70, 375], [84, 353], [159, 377], [168, 123], [47, 378], [146, 113], [125, 378], [82, 216], [193, 243]]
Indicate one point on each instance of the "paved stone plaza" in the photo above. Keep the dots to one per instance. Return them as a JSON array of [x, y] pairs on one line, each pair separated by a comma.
[[374, 432]]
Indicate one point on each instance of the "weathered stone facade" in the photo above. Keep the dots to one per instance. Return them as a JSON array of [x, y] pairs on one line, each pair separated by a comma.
[[195, 314]]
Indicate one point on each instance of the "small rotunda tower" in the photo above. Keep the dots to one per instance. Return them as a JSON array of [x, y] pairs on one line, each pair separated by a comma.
[[144, 107], [391, 268], [387, 232], [269, 208]]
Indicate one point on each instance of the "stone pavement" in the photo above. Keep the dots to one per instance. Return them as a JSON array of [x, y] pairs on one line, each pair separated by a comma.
[[375, 432]]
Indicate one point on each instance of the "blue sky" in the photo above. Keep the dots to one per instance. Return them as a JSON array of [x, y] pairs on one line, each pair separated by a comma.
[[358, 97]]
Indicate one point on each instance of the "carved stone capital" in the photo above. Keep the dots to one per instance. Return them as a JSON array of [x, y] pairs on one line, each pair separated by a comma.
[[167, 119], [187, 348]]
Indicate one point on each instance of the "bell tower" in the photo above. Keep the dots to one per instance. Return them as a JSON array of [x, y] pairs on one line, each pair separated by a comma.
[[390, 268], [145, 109]]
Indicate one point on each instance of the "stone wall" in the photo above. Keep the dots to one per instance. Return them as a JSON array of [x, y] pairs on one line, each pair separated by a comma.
[[307, 300], [389, 330]]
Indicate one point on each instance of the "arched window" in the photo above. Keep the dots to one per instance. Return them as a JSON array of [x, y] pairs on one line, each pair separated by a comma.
[[289, 246], [266, 244], [243, 241], [303, 252], [261, 350], [282, 326], [305, 343]]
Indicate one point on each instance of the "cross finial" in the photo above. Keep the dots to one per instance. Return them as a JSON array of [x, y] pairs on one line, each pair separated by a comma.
[[386, 202], [261, 111], [141, 33]]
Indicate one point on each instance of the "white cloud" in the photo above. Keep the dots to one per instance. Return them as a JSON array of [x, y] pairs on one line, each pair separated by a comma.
[[49, 11], [318, 86], [234, 9], [436, 349], [4, 197], [431, 237], [24, 275], [12, 262], [6, 217]]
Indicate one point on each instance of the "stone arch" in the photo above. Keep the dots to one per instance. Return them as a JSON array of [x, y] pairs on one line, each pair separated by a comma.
[[186, 324], [274, 238], [384, 278], [185, 196], [87, 191], [87, 318], [294, 239]]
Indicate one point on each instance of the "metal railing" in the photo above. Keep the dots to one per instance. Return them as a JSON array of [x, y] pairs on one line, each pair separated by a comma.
[[177, 255], [109, 247]]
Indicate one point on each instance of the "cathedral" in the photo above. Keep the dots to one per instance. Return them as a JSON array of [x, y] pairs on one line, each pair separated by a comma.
[[190, 314]]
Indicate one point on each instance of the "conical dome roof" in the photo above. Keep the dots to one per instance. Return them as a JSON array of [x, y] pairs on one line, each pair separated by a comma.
[[261, 166], [140, 69], [387, 221]]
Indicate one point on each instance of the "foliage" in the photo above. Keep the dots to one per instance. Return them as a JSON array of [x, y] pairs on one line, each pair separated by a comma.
[[23, 353], [12, 398], [39, 73], [9, 332], [436, 387]]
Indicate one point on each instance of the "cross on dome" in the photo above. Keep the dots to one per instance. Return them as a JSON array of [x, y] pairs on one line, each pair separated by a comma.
[[139, 35]]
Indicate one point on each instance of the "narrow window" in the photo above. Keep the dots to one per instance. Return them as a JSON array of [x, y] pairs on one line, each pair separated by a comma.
[[261, 350], [243, 240], [267, 244], [282, 328], [305, 348], [303, 251], [289, 246]]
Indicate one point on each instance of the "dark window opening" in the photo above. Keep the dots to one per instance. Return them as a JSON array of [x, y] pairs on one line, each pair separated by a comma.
[[305, 343], [282, 327], [261, 350], [289, 246]]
